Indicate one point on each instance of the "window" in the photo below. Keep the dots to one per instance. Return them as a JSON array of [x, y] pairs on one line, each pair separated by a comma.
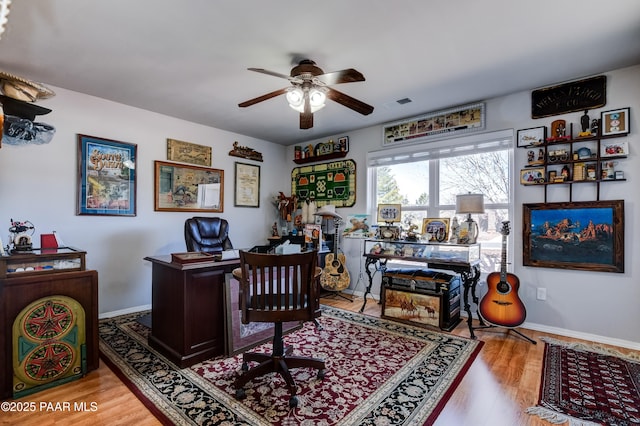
[[425, 179]]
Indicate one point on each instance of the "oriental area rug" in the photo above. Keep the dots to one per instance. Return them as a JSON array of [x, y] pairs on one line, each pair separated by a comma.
[[377, 372], [588, 385]]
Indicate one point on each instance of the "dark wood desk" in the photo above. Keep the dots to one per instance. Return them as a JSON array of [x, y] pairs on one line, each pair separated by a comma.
[[187, 309]]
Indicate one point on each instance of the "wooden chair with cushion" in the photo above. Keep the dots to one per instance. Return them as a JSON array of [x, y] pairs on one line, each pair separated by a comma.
[[278, 288]]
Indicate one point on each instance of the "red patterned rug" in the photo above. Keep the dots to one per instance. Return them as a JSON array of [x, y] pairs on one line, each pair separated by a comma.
[[378, 372], [588, 385]]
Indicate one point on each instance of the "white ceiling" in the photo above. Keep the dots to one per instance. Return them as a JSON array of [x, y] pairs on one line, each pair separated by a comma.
[[189, 58]]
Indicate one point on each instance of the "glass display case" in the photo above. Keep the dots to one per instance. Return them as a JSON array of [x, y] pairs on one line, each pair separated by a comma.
[[422, 251], [42, 261]]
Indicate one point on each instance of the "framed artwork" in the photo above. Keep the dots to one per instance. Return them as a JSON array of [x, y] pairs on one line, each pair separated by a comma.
[[389, 213], [326, 183], [587, 235], [532, 176], [415, 308], [438, 229], [613, 149], [435, 125], [242, 337], [180, 187], [247, 185], [357, 226], [532, 137], [615, 122], [106, 177], [343, 144], [187, 152]]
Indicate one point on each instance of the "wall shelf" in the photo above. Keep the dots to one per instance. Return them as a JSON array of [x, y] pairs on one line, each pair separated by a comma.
[[316, 158], [558, 157]]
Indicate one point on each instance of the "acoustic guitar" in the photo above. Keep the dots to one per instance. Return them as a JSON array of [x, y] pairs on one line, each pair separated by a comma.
[[501, 306], [335, 276]]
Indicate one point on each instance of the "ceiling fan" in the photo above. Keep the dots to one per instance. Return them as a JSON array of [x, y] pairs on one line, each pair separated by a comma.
[[309, 89]]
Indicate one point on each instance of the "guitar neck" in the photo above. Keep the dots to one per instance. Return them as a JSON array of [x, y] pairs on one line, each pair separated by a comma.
[[335, 237], [503, 262]]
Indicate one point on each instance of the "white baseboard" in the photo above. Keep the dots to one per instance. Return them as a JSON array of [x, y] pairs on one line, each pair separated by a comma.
[[124, 311], [575, 334], [584, 336]]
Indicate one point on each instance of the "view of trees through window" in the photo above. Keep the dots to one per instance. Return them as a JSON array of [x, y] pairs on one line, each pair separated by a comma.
[[428, 189]]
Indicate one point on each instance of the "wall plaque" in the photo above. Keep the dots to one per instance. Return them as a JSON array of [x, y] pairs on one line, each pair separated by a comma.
[[569, 97]]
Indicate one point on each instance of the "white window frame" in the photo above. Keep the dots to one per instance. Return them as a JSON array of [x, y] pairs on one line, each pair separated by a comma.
[[479, 142]]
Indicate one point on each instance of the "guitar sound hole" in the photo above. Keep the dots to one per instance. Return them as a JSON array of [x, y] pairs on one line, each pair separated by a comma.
[[503, 288]]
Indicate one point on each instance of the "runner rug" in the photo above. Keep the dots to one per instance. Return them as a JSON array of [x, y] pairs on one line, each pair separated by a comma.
[[588, 385], [377, 372]]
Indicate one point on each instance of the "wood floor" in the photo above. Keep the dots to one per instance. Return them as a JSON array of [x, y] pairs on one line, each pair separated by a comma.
[[499, 386]]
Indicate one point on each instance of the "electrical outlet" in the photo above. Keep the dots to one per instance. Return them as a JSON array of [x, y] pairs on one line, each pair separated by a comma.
[[542, 293]]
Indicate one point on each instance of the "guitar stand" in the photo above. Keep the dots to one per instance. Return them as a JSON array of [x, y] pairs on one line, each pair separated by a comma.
[[336, 294], [529, 339]]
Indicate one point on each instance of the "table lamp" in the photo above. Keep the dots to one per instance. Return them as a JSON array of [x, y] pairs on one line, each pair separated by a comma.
[[470, 204]]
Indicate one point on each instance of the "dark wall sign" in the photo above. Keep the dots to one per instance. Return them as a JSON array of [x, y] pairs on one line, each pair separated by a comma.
[[575, 96]]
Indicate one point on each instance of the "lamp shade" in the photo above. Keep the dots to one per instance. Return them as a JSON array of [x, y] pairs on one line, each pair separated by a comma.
[[470, 203]]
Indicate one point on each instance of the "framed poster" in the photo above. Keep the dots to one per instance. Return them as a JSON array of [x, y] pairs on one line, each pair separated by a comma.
[[187, 152], [247, 185], [532, 137], [179, 187], [106, 177], [532, 176], [614, 149], [357, 226], [438, 229], [389, 213], [587, 235], [615, 122], [435, 125]]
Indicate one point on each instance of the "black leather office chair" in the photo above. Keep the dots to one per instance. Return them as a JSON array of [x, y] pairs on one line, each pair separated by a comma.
[[207, 234]]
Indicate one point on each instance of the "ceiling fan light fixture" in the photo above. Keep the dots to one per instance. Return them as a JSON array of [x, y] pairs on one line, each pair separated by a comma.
[[295, 97], [317, 96]]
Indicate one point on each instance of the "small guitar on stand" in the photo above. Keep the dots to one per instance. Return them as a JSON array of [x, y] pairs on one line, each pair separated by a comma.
[[335, 276], [501, 306]]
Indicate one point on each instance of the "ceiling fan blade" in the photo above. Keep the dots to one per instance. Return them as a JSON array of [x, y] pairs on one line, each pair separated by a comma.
[[349, 102], [273, 73], [262, 98], [306, 117], [345, 76]]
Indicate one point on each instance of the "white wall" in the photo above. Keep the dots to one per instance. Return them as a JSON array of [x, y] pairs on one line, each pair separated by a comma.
[[578, 302], [39, 184]]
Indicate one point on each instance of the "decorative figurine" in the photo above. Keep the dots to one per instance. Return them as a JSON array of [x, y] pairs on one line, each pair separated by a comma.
[[455, 231], [412, 235], [594, 126], [274, 230], [584, 123], [21, 233]]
